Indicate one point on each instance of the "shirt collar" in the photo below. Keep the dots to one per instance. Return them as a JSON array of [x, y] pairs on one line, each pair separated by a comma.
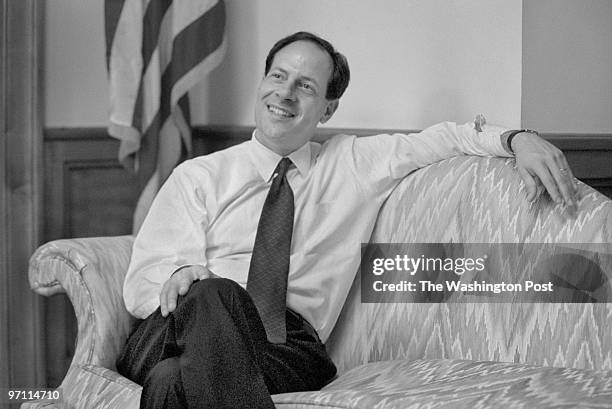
[[266, 160]]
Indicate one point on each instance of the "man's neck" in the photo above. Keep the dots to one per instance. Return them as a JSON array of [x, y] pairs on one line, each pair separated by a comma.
[[279, 150]]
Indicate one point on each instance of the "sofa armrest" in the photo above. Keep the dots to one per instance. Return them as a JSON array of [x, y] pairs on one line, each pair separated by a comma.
[[91, 272]]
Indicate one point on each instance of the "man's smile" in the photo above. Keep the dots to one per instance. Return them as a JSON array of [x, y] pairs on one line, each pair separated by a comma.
[[278, 111]]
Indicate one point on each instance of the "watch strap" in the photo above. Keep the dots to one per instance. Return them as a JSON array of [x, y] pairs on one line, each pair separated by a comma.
[[512, 134]]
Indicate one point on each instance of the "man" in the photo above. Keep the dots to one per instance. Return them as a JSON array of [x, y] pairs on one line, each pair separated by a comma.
[[245, 259]]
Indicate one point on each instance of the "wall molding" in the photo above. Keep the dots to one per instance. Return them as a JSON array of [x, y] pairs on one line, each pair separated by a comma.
[[580, 141], [75, 133], [589, 154]]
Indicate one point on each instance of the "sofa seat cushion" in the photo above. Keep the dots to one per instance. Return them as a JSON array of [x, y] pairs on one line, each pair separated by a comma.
[[449, 383], [400, 384]]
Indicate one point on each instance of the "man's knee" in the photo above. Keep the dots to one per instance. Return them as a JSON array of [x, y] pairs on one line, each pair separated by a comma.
[[166, 372], [219, 297], [213, 287]]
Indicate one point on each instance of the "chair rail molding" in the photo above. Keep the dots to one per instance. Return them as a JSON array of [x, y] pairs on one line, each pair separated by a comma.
[[589, 154]]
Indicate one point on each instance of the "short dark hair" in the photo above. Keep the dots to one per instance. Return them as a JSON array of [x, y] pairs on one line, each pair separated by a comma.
[[340, 70]]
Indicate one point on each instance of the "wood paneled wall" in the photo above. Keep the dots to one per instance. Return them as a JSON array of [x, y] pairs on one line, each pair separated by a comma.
[[590, 157], [88, 193]]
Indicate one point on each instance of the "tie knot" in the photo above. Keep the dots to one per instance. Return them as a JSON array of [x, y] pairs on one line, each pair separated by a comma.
[[281, 168]]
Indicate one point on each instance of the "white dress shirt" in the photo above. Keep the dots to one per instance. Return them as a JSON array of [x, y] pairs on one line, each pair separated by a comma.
[[207, 212]]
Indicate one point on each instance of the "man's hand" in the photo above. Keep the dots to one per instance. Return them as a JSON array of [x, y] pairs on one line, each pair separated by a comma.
[[542, 164], [178, 284]]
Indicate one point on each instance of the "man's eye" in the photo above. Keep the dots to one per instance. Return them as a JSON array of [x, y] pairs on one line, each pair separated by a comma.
[[306, 86], [275, 75]]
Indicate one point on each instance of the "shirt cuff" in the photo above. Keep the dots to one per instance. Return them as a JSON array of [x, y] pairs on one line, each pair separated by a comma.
[[144, 310], [498, 140], [504, 141]]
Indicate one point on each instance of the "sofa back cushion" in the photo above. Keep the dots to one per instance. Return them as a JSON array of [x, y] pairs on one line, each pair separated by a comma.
[[480, 200]]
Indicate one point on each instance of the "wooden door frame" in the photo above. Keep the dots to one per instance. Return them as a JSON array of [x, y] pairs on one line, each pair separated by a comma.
[[21, 336]]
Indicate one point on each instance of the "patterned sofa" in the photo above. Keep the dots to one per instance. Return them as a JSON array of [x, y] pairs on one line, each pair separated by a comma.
[[395, 355]]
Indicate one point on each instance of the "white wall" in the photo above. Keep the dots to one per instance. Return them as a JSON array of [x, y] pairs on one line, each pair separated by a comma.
[[75, 64], [567, 72], [413, 62]]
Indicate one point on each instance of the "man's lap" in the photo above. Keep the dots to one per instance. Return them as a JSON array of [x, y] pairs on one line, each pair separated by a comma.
[[299, 364]]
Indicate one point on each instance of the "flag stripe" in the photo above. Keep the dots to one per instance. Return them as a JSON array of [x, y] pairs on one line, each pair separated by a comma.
[[125, 70], [183, 119], [112, 12], [207, 32], [187, 81], [150, 89], [149, 151], [183, 103], [152, 22]]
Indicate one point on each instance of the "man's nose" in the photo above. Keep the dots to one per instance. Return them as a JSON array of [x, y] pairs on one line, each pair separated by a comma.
[[286, 91]]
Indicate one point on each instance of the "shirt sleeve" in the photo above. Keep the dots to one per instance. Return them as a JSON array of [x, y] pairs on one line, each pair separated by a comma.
[[381, 160], [172, 235]]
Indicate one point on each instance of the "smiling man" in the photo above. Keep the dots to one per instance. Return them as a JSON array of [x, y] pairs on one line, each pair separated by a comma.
[[244, 261], [293, 96]]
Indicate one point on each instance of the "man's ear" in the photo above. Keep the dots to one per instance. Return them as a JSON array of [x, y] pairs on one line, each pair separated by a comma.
[[329, 110]]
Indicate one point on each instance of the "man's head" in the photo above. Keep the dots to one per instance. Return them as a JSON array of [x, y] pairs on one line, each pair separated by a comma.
[[304, 79]]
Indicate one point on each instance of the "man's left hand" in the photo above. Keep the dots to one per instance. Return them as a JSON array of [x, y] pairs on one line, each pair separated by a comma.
[[540, 163]]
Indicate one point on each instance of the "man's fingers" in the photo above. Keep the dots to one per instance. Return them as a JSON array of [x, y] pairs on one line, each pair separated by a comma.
[[171, 297], [540, 187], [163, 299], [177, 285], [549, 183], [559, 169], [183, 287], [167, 298], [566, 181], [561, 180], [531, 184], [542, 160]]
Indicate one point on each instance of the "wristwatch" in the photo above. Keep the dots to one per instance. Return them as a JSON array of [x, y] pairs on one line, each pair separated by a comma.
[[514, 133]]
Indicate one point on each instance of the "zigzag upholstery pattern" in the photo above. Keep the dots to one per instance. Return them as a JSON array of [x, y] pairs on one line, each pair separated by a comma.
[[468, 199], [91, 272], [441, 383], [92, 386], [422, 348]]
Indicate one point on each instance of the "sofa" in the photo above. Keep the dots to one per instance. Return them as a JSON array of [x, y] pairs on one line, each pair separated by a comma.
[[396, 354]]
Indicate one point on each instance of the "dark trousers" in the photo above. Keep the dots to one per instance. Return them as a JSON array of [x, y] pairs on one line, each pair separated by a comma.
[[212, 352]]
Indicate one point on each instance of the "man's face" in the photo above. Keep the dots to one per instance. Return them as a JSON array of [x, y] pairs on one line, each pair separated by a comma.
[[291, 97]]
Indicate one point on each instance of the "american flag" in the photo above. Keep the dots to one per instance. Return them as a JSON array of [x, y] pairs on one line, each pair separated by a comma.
[[157, 50]]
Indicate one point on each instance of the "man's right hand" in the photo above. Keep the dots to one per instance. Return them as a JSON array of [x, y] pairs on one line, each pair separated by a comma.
[[178, 284]]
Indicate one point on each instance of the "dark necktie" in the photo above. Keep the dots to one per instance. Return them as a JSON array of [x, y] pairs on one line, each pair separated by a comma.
[[267, 282]]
